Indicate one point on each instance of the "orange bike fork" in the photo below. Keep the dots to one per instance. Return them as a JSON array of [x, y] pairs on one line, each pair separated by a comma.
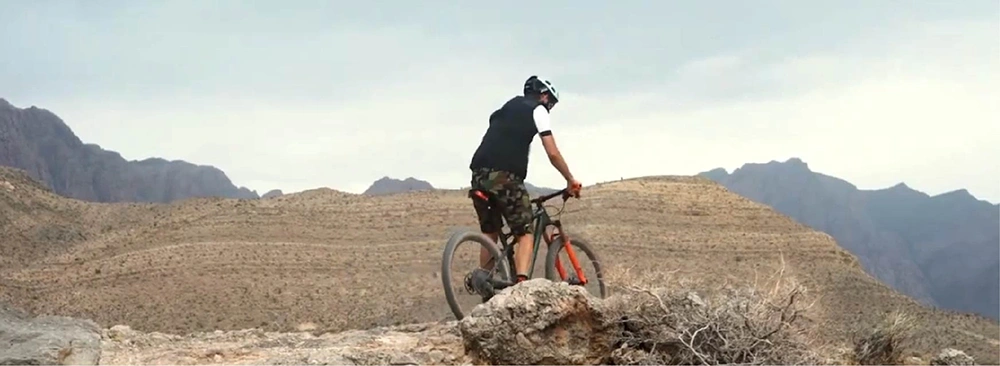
[[572, 258], [562, 271]]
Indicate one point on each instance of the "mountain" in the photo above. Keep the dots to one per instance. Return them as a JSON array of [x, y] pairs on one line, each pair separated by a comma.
[[942, 250], [39, 142], [386, 185], [536, 191]]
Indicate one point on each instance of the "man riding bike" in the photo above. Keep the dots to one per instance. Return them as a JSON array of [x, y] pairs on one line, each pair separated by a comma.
[[500, 165]]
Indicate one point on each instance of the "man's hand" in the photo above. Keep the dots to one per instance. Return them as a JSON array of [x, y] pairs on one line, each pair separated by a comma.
[[574, 187]]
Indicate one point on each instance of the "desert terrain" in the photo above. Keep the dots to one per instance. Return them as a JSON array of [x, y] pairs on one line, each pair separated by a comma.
[[340, 261]]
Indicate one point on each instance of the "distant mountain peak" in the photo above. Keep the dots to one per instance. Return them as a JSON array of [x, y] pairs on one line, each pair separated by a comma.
[[902, 190], [717, 174], [959, 195], [388, 185], [793, 163], [272, 193], [796, 161]]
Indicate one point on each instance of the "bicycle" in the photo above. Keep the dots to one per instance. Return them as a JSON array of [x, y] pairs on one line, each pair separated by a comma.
[[500, 274]]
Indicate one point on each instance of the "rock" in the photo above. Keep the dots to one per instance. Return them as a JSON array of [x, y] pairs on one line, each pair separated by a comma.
[[47, 340], [538, 322], [413, 344], [951, 356]]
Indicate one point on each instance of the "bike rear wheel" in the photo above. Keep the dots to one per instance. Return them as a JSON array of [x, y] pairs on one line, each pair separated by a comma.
[[558, 263], [455, 281]]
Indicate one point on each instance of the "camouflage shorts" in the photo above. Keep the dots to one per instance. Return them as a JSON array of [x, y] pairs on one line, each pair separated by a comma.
[[510, 201]]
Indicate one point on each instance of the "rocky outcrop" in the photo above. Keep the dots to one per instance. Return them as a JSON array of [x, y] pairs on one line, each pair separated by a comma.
[[416, 344], [47, 340], [539, 323], [940, 250], [535, 322], [39, 142], [951, 356], [386, 185]]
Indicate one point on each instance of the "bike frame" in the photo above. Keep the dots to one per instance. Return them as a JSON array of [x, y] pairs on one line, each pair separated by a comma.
[[540, 221]]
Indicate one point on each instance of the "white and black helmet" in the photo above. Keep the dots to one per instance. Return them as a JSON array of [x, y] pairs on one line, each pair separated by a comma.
[[535, 85]]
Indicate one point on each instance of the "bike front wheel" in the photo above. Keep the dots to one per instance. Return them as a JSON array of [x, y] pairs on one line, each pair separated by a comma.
[[458, 286], [561, 267]]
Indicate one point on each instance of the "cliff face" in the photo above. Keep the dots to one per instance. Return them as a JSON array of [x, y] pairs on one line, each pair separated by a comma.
[[941, 250], [39, 142]]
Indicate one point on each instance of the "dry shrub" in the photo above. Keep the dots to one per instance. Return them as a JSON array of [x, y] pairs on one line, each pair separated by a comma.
[[730, 326], [885, 344]]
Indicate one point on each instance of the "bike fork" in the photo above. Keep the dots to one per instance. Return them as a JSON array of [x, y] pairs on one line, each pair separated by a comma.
[[572, 259]]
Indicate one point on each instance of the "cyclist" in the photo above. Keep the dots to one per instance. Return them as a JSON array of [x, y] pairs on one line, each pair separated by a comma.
[[500, 165]]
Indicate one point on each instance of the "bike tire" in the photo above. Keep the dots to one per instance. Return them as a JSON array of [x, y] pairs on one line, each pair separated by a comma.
[[578, 245], [500, 265]]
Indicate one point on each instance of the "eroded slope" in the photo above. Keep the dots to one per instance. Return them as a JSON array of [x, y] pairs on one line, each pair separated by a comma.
[[345, 261]]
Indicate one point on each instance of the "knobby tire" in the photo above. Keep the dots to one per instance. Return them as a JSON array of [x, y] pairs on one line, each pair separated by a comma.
[[578, 245], [499, 264]]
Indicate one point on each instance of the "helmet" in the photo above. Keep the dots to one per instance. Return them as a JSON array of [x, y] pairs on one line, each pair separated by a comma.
[[534, 85]]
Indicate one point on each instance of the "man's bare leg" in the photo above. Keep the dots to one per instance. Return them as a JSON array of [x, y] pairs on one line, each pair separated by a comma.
[[484, 255], [522, 255]]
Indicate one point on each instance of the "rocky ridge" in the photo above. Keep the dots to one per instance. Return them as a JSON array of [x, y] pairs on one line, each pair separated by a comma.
[[39, 142], [536, 322]]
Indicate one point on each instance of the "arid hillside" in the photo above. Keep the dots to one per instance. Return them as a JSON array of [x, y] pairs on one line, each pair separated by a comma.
[[343, 261]]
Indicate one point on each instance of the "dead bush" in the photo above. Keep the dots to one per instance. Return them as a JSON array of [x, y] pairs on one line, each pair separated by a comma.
[[885, 344], [730, 326]]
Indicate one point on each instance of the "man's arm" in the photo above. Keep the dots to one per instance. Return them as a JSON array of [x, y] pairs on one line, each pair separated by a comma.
[[544, 125], [555, 157]]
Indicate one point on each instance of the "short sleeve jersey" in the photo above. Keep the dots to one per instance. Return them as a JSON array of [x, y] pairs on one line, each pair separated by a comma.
[[507, 142]]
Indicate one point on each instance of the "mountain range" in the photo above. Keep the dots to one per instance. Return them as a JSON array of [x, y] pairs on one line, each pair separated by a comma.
[[942, 250]]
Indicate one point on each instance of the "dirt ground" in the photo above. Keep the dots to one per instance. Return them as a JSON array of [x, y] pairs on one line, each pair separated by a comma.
[[341, 261]]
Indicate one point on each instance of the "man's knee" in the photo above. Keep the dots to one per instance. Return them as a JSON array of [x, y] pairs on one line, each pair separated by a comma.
[[519, 220], [520, 230]]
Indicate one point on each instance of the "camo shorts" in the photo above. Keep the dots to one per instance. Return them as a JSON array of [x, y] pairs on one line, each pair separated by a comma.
[[510, 201]]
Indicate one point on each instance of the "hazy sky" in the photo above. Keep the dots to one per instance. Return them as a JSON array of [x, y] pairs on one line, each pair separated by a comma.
[[302, 94]]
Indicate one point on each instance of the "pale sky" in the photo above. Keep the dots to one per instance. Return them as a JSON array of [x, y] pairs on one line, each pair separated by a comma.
[[304, 94]]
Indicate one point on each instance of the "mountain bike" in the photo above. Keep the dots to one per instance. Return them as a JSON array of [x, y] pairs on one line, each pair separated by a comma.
[[499, 276]]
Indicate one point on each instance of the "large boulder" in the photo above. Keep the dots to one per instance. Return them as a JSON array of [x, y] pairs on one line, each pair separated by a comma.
[[47, 340], [539, 322]]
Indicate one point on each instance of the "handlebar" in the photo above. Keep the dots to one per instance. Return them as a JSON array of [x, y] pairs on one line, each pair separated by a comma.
[[563, 192]]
